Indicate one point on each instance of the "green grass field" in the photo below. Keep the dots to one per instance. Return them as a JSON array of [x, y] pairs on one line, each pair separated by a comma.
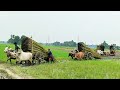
[[65, 67]]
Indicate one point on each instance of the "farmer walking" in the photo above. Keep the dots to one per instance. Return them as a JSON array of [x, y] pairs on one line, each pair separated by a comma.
[[16, 47]]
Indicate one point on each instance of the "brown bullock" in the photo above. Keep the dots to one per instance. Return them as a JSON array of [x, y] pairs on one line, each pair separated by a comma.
[[79, 55]]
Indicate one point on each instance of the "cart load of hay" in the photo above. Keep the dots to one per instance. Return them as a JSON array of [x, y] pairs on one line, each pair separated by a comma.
[[29, 45], [86, 49]]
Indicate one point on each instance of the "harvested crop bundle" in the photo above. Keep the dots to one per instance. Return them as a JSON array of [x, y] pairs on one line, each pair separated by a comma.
[[83, 47], [29, 45]]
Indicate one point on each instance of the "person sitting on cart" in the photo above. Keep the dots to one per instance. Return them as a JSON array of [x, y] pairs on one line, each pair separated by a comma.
[[50, 55], [80, 47], [100, 49], [112, 50], [16, 47]]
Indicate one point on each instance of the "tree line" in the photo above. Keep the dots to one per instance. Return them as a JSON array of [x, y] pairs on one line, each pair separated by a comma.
[[66, 43], [71, 43], [107, 46], [16, 39], [74, 44]]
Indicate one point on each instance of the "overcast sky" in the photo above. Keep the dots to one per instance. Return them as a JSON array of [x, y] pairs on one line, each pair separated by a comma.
[[92, 27]]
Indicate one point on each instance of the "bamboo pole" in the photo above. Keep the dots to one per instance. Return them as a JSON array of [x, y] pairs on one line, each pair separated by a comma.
[[32, 45]]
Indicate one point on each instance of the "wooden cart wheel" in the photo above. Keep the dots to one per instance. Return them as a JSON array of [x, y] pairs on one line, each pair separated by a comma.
[[42, 58], [86, 56], [90, 56]]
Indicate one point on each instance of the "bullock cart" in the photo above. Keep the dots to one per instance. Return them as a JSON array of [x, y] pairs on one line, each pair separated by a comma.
[[89, 53], [29, 45]]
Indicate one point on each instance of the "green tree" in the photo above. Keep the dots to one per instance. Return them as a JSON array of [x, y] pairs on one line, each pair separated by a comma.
[[69, 43], [56, 43], [17, 40], [22, 38], [14, 39], [105, 44], [10, 40], [13, 36]]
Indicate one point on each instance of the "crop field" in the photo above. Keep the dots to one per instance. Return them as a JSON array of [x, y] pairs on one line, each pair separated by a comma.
[[65, 67]]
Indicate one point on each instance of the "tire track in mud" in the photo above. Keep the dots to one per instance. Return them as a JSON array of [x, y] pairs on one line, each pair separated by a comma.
[[7, 74]]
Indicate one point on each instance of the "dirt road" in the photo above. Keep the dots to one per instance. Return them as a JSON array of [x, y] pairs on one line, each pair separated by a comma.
[[8, 73]]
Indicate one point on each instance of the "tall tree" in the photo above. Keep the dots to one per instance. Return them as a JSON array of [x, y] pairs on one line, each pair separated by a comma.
[[14, 39], [105, 44], [13, 36], [17, 40], [22, 37], [10, 40]]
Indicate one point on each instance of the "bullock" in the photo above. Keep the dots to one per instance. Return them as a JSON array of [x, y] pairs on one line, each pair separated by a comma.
[[23, 56], [10, 54], [8, 48], [72, 53], [79, 55], [100, 52], [106, 53]]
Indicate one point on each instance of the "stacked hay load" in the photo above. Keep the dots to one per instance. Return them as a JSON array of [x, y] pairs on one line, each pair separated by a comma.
[[87, 49], [29, 45], [26, 44]]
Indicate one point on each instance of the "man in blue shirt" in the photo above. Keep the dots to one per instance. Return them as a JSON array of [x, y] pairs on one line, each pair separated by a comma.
[[50, 55]]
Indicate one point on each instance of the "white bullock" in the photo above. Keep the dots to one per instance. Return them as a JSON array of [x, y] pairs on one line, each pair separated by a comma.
[[10, 53], [100, 52], [6, 49], [23, 56]]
